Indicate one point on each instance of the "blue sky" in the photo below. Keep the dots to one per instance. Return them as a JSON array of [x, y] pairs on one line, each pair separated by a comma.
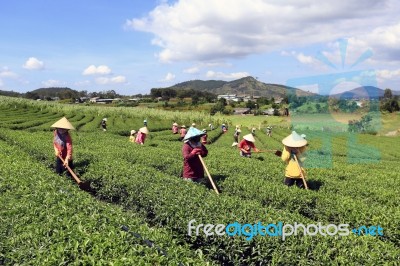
[[131, 46]]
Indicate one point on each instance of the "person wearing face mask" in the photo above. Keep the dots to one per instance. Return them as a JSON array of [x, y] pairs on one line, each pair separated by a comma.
[[192, 148], [62, 144]]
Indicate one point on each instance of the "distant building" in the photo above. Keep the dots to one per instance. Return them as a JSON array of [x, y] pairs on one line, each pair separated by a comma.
[[103, 101], [94, 99], [241, 111], [230, 97], [270, 111]]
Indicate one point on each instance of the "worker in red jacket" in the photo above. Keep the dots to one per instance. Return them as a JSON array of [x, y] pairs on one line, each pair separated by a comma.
[[192, 148], [246, 145], [62, 144]]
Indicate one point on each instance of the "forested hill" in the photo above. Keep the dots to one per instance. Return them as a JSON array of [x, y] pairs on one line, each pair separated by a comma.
[[243, 86]]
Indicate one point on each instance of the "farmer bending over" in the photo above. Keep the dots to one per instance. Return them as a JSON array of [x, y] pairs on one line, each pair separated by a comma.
[[141, 136], [246, 145]]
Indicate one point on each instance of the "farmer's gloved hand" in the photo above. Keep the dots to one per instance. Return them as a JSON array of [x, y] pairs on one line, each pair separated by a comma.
[[56, 153]]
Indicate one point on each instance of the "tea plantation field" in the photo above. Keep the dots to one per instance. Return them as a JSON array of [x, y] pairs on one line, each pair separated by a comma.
[[139, 211]]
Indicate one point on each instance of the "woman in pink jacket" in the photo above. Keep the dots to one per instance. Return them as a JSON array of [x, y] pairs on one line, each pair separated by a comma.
[[141, 136]]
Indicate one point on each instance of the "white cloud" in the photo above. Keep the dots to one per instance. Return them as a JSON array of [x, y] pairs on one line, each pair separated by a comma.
[[113, 80], [93, 70], [168, 77], [209, 30], [230, 76], [33, 64], [52, 83], [388, 74], [304, 59], [118, 79], [286, 53], [6, 73], [192, 70]]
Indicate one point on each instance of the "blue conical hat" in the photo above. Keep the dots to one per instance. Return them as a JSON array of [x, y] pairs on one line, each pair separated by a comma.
[[193, 132], [294, 140]]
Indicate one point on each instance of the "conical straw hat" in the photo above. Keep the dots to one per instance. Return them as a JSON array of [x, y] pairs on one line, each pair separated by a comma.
[[133, 131], [144, 130], [193, 132], [249, 137], [175, 124], [294, 140], [63, 123]]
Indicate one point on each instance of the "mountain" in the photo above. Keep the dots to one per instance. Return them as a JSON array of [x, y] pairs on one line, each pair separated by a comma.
[[244, 86], [370, 92], [10, 93], [54, 92]]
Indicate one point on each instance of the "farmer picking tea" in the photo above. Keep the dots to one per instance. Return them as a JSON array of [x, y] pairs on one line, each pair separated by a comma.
[[204, 137], [246, 145], [236, 136], [104, 124], [269, 131], [132, 137], [141, 136], [182, 132], [224, 128], [293, 156], [62, 144], [175, 128], [192, 148]]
